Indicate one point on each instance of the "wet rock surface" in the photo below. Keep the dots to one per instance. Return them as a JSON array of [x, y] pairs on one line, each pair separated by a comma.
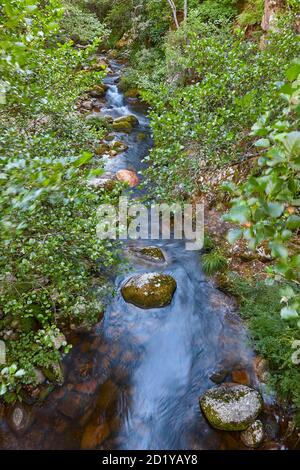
[[134, 381], [231, 407], [254, 435], [153, 254], [149, 290]]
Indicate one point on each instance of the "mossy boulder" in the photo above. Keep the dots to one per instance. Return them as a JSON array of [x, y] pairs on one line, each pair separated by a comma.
[[103, 148], [122, 127], [150, 253], [254, 435], [125, 123], [231, 407], [98, 91], [149, 290]]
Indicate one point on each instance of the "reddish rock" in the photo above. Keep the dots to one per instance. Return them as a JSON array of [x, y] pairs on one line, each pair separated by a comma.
[[94, 435], [260, 366], [128, 176], [240, 376], [73, 405], [89, 387]]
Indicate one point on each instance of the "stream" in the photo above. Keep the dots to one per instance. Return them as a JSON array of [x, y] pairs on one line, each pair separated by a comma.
[[134, 381]]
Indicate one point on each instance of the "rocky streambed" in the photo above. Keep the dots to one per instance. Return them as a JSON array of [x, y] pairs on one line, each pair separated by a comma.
[[169, 366]]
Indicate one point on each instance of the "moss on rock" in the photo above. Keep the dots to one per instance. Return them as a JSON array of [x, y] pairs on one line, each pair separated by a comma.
[[231, 407], [150, 253], [149, 290], [125, 123]]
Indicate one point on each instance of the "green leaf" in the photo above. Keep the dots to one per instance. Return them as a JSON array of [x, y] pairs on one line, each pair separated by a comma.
[[83, 159], [288, 313], [234, 235], [293, 72], [293, 222], [239, 214], [279, 250], [275, 209], [262, 143]]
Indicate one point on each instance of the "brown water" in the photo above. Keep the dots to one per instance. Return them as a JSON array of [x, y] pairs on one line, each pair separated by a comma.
[[134, 382]]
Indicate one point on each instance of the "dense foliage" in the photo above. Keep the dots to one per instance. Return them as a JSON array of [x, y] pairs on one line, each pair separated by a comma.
[[267, 205], [51, 259]]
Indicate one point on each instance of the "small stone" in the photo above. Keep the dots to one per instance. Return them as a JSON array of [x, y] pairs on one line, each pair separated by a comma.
[[219, 376], [231, 407], [254, 435], [240, 376], [261, 369], [86, 105], [19, 418], [39, 376]]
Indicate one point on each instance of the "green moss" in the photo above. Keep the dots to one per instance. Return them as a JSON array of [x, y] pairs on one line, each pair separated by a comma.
[[252, 13], [152, 290], [231, 407], [152, 252]]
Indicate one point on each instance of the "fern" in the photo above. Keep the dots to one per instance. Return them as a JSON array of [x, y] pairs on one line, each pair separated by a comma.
[[214, 262]]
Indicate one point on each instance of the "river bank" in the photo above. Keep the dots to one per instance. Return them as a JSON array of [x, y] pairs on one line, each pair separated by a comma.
[[134, 381]]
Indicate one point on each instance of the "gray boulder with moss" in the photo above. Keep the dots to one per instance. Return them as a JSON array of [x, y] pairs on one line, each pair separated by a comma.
[[149, 290], [231, 407]]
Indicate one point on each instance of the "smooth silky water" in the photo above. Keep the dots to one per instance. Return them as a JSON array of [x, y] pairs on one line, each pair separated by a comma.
[[134, 382]]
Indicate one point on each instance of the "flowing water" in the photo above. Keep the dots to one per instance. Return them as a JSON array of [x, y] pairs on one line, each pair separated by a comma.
[[135, 381]]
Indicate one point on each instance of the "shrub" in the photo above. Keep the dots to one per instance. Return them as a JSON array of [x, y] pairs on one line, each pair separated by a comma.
[[53, 268]]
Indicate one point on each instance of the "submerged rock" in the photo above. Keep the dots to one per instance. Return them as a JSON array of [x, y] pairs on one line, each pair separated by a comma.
[[19, 418], [119, 146], [94, 435], [254, 435], [128, 176], [149, 290], [231, 407], [219, 376]]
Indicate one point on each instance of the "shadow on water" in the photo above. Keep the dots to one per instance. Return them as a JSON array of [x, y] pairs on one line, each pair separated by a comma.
[[134, 382]]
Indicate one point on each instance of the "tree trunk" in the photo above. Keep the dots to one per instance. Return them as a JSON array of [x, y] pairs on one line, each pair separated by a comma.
[[185, 9], [272, 7], [174, 11]]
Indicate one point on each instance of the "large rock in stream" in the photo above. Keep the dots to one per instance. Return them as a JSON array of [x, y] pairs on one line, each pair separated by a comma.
[[149, 290], [231, 407], [125, 123]]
